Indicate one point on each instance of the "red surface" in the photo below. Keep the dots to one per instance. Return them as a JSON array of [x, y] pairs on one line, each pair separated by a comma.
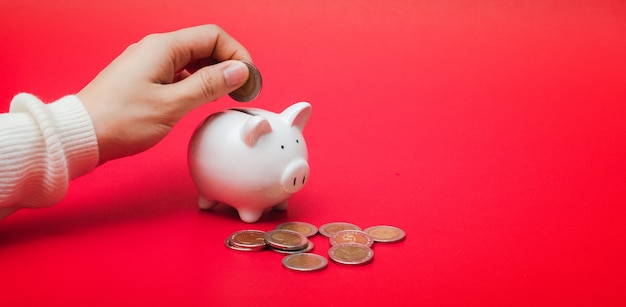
[[492, 132]]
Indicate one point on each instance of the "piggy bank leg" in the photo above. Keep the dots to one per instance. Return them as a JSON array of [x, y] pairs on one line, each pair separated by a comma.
[[281, 207], [250, 216], [206, 204]]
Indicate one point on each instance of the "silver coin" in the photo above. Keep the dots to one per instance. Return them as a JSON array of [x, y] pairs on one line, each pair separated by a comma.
[[351, 236], [385, 233], [251, 89], [351, 253], [305, 262], [286, 239], [306, 229], [243, 249], [330, 229], [248, 239], [309, 247]]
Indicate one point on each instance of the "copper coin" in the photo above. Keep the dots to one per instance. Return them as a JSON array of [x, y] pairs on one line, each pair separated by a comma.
[[351, 253], [286, 239], [305, 262], [251, 89], [330, 229], [306, 229], [248, 238], [351, 236], [385, 233]]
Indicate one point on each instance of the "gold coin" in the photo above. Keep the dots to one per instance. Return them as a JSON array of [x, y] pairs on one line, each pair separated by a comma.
[[251, 89], [248, 238], [385, 233], [306, 229], [351, 253], [286, 239], [351, 236], [330, 229], [305, 262]]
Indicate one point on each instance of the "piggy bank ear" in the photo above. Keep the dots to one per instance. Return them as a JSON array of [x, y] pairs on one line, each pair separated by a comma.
[[297, 114], [254, 128]]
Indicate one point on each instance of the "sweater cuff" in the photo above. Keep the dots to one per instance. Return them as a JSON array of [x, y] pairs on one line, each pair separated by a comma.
[[64, 122], [77, 135]]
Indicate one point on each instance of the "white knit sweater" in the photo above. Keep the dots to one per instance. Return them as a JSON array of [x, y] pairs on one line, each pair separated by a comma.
[[42, 147]]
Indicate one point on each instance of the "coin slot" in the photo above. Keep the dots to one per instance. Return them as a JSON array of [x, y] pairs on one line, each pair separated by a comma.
[[243, 111]]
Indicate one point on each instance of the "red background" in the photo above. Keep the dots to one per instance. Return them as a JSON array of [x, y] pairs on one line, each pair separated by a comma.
[[492, 132]]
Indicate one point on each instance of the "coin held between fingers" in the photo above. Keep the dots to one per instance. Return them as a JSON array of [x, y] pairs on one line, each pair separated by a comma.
[[251, 89], [235, 73]]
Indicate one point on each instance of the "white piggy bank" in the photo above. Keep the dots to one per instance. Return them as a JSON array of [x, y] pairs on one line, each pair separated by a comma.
[[250, 159]]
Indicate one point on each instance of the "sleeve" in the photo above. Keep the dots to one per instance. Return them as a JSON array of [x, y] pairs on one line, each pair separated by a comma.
[[42, 147]]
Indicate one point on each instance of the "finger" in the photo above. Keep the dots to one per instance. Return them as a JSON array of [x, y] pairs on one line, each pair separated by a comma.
[[180, 76], [194, 65], [207, 84], [204, 42]]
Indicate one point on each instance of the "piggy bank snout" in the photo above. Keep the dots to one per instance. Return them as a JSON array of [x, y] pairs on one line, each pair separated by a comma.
[[295, 176]]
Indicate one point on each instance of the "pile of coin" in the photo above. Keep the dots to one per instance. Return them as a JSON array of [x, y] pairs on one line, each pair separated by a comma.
[[287, 241], [349, 244], [246, 240]]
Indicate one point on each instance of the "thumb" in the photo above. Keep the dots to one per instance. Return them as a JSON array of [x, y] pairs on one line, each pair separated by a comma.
[[210, 83]]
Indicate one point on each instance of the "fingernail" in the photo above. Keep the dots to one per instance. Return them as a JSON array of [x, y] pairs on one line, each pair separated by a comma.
[[236, 74]]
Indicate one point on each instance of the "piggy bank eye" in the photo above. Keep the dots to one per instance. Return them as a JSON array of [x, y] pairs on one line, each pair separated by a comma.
[[282, 147], [297, 141]]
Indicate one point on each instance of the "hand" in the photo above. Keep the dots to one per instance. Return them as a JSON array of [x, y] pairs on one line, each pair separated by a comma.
[[136, 100]]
